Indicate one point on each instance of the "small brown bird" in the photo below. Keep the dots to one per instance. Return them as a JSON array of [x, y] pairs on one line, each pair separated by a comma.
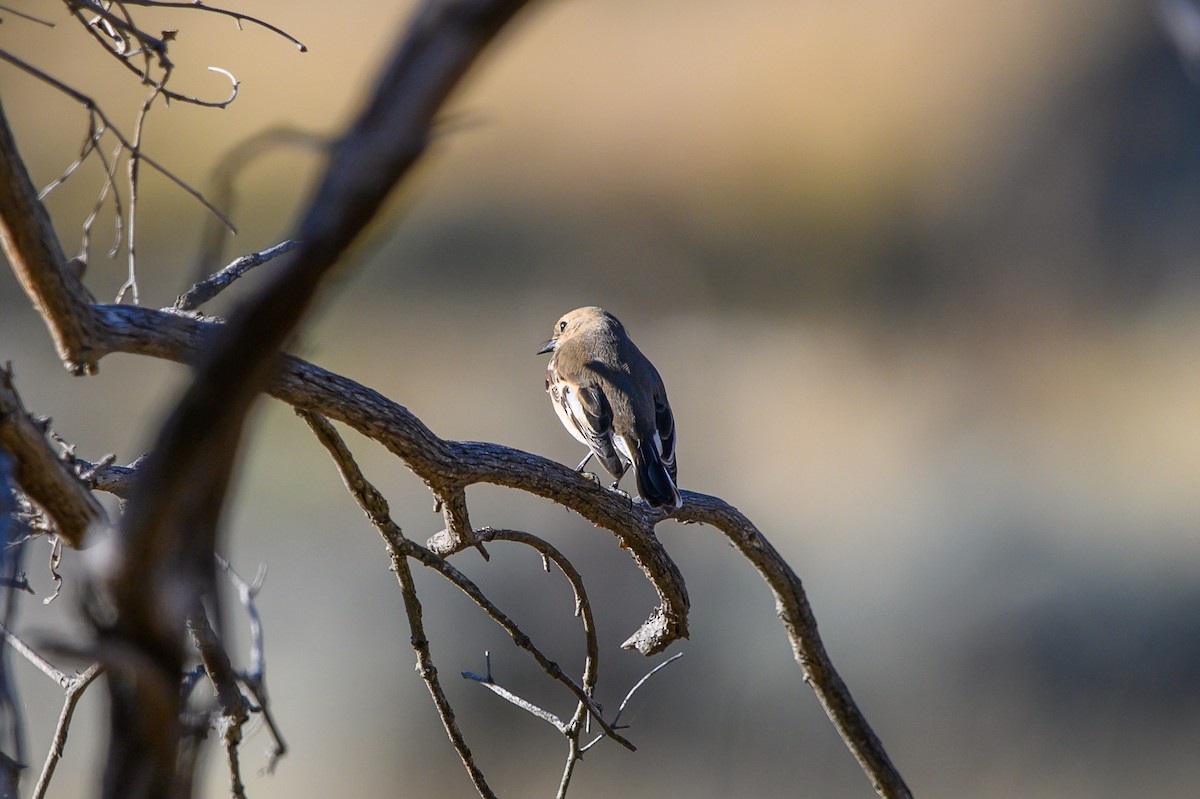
[[611, 398]]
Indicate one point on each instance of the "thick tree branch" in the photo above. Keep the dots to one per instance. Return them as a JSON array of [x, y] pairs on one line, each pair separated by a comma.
[[37, 259], [41, 473], [440, 463], [166, 543], [167, 539]]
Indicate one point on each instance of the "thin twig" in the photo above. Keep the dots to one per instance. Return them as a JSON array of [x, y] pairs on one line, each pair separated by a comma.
[[237, 16], [574, 755], [376, 508], [629, 696], [74, 692], [134, 160], [205, 290], [93, 107], [524, 704], [222, 189], [255, 677], [110, 183], [15, 12], [30, 654]]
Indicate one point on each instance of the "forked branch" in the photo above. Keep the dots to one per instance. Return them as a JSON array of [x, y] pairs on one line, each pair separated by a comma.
[[170, 528]]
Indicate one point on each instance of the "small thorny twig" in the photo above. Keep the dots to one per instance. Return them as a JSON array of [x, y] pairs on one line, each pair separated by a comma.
[[254, 678], [73, 687], [571, 731], [632, 691], [170, 528], [376, 508], [232, 164], [113, 26], [205, 290], [73, 693], [402, 548]]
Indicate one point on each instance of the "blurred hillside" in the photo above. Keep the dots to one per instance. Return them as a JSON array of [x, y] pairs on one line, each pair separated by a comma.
[[920, 279]]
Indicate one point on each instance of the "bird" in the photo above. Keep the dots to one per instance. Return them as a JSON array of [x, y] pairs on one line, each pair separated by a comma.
[[610, 397]]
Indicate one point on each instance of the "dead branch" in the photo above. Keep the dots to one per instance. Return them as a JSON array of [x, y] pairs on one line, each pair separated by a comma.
[[33, 249], [205, 290], [228, 168], [42, 475], [255, 676], [93, 109], [376, 509], [74, 692], [73, 687], [170, 529]]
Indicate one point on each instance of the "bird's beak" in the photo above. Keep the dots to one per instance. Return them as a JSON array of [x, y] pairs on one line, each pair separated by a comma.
[[547, 347]]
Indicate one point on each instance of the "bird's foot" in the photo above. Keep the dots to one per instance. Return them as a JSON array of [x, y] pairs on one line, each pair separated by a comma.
[[613, 487]]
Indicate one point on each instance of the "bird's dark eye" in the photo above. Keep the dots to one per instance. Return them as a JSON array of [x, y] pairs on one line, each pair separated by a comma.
[[562, 326]]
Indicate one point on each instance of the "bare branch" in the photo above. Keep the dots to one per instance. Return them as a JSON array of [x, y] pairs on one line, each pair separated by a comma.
[[376, 508], [107, 477], [94, 108], [134, 161], [629, 695], [583, 607], [452, 501], [228, 168], [37, 259], [204, 291], [74, 692], [524, 704], [793, 609], [41, 473], [236, 15], [255, 677]]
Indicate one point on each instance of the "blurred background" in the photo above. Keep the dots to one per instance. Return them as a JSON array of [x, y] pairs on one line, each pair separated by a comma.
[[920, 278]]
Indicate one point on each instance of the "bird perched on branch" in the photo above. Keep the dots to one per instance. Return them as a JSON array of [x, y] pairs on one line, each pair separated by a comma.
[[611, 398]]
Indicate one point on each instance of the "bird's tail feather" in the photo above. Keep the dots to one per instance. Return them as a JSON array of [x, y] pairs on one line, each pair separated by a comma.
[[654, 483]]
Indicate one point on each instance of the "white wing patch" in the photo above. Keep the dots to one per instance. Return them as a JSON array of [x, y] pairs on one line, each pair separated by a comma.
[[569, 411], [623, 448]]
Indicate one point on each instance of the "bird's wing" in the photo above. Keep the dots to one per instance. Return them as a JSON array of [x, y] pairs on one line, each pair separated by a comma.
[[593, 414], [664, 421]]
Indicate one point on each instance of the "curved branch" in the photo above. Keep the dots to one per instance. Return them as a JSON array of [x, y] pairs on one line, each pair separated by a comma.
[[390, 134], [440, 463], [793, 609], [237, 16], [37, 259], [435, 460]]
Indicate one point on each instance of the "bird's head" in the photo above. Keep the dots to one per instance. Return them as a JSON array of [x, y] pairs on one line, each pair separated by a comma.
[[575, 321]]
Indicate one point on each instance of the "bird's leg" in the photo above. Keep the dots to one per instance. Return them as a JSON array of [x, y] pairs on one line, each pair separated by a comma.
[[616, 483], [584, 462]]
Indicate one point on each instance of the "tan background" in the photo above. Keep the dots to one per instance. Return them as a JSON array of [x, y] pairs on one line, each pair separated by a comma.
[[920, 279]]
